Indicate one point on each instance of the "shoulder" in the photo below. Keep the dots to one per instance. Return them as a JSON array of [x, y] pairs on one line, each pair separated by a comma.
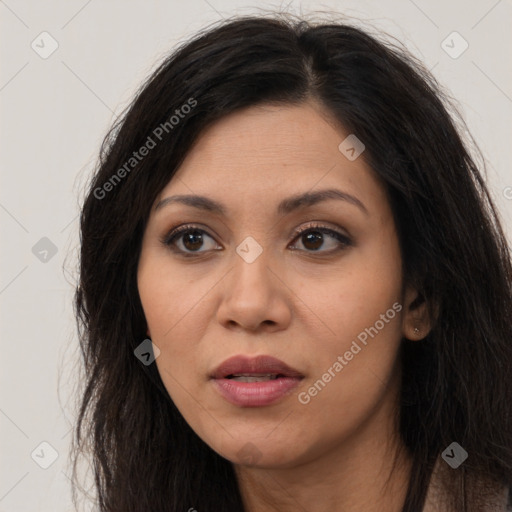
[[490, 496]]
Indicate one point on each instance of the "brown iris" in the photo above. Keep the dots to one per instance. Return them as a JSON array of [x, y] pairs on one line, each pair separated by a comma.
[[314, 238], [193, 240]]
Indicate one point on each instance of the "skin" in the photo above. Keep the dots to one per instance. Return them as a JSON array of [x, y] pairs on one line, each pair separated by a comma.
[[299, 305]]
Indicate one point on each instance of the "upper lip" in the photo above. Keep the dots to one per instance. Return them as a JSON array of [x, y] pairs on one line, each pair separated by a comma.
[[254, 365]]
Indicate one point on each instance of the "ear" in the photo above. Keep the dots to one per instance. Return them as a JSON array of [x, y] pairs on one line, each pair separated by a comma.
[[416, 323], [148, 332]]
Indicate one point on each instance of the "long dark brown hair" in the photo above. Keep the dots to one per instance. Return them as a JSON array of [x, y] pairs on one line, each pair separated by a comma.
[[456, 383]]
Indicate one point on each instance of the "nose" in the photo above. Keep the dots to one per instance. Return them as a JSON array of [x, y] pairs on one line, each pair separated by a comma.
[[255, 297]]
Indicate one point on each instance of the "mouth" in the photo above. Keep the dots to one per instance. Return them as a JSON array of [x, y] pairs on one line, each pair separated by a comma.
[[254, 378], [260, 367], [254, 382]]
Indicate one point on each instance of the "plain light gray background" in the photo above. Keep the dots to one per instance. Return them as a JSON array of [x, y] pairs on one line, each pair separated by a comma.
[[55, 110]]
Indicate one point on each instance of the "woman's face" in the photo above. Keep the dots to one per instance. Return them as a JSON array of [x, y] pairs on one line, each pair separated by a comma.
[[241, 281]]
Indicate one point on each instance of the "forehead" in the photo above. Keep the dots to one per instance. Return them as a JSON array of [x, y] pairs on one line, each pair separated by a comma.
[[267, 150], [267, 136]]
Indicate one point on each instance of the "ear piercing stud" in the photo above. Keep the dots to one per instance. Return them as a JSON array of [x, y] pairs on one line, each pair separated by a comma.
[[416, 330]]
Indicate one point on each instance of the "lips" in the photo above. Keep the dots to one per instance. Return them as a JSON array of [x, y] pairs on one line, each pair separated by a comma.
[[254, 382], [257, 366]]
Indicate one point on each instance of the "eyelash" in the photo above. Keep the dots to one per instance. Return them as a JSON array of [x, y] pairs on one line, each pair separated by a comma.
[[171, 237]]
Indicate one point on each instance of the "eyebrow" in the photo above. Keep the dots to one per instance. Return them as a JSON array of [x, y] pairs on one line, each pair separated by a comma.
[[285, 207]]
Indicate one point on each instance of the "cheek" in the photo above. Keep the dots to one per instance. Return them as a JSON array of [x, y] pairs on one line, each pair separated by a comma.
[[168, 297], [175, 309], [354, 296], [372, 280], [354, 372], [360, 311]]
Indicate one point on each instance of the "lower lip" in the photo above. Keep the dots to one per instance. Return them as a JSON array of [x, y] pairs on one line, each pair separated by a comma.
[[255, 394]]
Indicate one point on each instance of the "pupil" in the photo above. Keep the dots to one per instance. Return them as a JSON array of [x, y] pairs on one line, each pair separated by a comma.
[[315, 238], [193, 240]]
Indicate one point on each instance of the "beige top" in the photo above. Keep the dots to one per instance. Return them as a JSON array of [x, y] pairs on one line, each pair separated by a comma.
[[437, 501]]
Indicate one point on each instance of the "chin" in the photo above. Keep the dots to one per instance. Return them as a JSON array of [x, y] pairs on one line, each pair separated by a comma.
[[262, 453]]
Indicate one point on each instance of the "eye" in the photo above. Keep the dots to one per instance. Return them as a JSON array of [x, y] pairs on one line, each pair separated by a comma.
[[188, 240], [314, 237]]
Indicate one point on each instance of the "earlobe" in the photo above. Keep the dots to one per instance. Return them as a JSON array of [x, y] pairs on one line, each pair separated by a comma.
[[416, 323]]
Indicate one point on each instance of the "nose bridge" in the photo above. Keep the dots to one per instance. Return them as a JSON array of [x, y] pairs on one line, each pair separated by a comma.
[[251, 266], [252, 293]]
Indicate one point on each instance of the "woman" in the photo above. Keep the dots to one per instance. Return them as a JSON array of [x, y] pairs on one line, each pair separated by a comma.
[[294, 293]]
